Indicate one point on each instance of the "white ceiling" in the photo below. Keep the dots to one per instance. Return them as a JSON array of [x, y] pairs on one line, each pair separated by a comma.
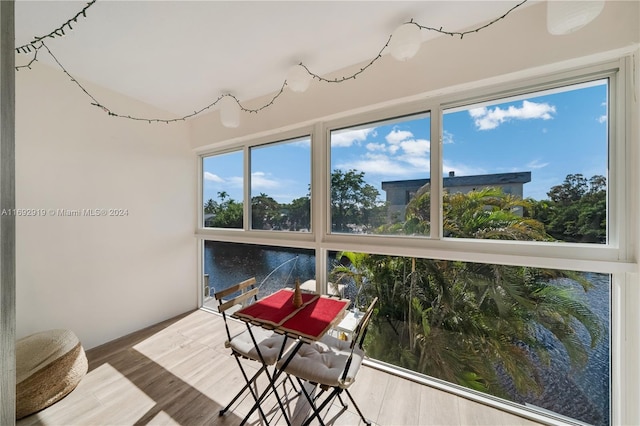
[[181, 55]]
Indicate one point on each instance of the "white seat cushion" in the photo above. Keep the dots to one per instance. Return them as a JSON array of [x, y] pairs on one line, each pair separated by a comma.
[[324, 362], [336, 344], [270, 344]]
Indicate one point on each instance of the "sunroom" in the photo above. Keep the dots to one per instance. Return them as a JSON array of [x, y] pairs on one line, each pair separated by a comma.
[[483, 187]]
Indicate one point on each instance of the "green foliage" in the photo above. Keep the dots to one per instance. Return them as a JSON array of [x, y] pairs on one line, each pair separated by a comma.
[[354, 206], [299, 217], [265, 212], [353, 201], [464, 322], [225, 214], [576, 211]]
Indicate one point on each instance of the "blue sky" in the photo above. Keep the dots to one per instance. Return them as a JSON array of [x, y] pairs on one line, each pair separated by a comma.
[[550, 134]]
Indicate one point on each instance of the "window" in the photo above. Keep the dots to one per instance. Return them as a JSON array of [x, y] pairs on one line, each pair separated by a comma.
[[538, 337], [540, 159], [222, 190], [539, 166], [280, 186], [274, 268], [374, 168]]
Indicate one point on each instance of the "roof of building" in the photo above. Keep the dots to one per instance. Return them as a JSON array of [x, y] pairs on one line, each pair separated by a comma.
[[453, 181]]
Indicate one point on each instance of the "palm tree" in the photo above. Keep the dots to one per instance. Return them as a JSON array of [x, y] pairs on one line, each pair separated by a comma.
[[473, 323]]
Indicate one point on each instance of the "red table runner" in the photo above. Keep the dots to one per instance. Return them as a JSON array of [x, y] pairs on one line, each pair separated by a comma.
[[314, 319], [274, 309]]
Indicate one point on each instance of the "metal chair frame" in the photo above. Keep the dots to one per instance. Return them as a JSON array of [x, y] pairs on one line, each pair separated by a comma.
[[357, 341], [224, 305]]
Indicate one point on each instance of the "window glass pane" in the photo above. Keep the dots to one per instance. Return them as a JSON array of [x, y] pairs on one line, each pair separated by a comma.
[[539, 161], [376, 170], [274, 268], [222, 190], [536, 337], [280, 183]]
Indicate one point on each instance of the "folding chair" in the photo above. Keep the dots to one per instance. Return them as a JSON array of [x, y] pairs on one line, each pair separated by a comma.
[[254, 343], [330, 364]]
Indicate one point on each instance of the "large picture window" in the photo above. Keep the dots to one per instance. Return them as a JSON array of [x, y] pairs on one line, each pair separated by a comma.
[[537, 337], [222, 190], [280, 186], [225, 264], [538, 160], [376, 170], [530, 319]]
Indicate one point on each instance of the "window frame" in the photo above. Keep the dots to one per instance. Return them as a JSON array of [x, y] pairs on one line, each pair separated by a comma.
[[416, 111], [250, 164], [617, 257], [614, 256]]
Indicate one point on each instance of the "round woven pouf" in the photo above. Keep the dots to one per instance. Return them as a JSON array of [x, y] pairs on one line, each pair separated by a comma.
[[49, 365]]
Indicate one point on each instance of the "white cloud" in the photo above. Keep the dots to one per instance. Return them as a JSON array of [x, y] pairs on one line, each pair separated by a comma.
[[213, 178], [397, 136], [602, 119], [349, 137], [373, 164], [376, 146], [418, 163], [536, 164], [416, 147], [447, 137], [235, 181], [259, 180], [487, 119], [477, 112], [401, 155]]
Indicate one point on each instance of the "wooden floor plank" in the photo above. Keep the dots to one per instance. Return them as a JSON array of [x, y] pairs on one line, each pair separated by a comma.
[[401, 403], [438, 408], [179, 372]]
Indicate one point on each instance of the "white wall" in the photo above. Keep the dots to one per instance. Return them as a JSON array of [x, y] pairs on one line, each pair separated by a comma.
[[102, 277]]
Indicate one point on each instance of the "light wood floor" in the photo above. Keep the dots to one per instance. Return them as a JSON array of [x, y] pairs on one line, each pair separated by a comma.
[[179, 373]]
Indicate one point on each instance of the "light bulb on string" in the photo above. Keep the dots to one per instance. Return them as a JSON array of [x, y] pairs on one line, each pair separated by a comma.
[[298, 78], [229, 112], [405, 41], [567, 16]]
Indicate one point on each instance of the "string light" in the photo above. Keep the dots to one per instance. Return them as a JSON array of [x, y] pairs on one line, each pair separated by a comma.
[[231, 110], [35, 58], [58, 32]]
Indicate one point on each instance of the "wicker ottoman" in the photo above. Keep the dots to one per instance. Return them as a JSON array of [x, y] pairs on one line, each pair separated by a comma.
[[49, 365]]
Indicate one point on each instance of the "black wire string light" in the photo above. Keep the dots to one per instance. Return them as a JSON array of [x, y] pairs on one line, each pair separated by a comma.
[[38, 42], [301, 71]]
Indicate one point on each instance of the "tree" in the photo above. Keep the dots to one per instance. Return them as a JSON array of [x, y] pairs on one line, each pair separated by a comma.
[[487, 213], [577, 210], [299, 217], [265, 212], [469, 323], [352, 200], [226, 214], [571, 190], [210, 206]]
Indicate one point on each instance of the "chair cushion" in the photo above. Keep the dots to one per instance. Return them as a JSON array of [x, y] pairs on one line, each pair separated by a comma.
[[323, 362], [49, 365], [270, 344], [336, 344]]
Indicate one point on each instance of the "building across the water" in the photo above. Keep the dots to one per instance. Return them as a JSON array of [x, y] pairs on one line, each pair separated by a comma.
[[400, 192]]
